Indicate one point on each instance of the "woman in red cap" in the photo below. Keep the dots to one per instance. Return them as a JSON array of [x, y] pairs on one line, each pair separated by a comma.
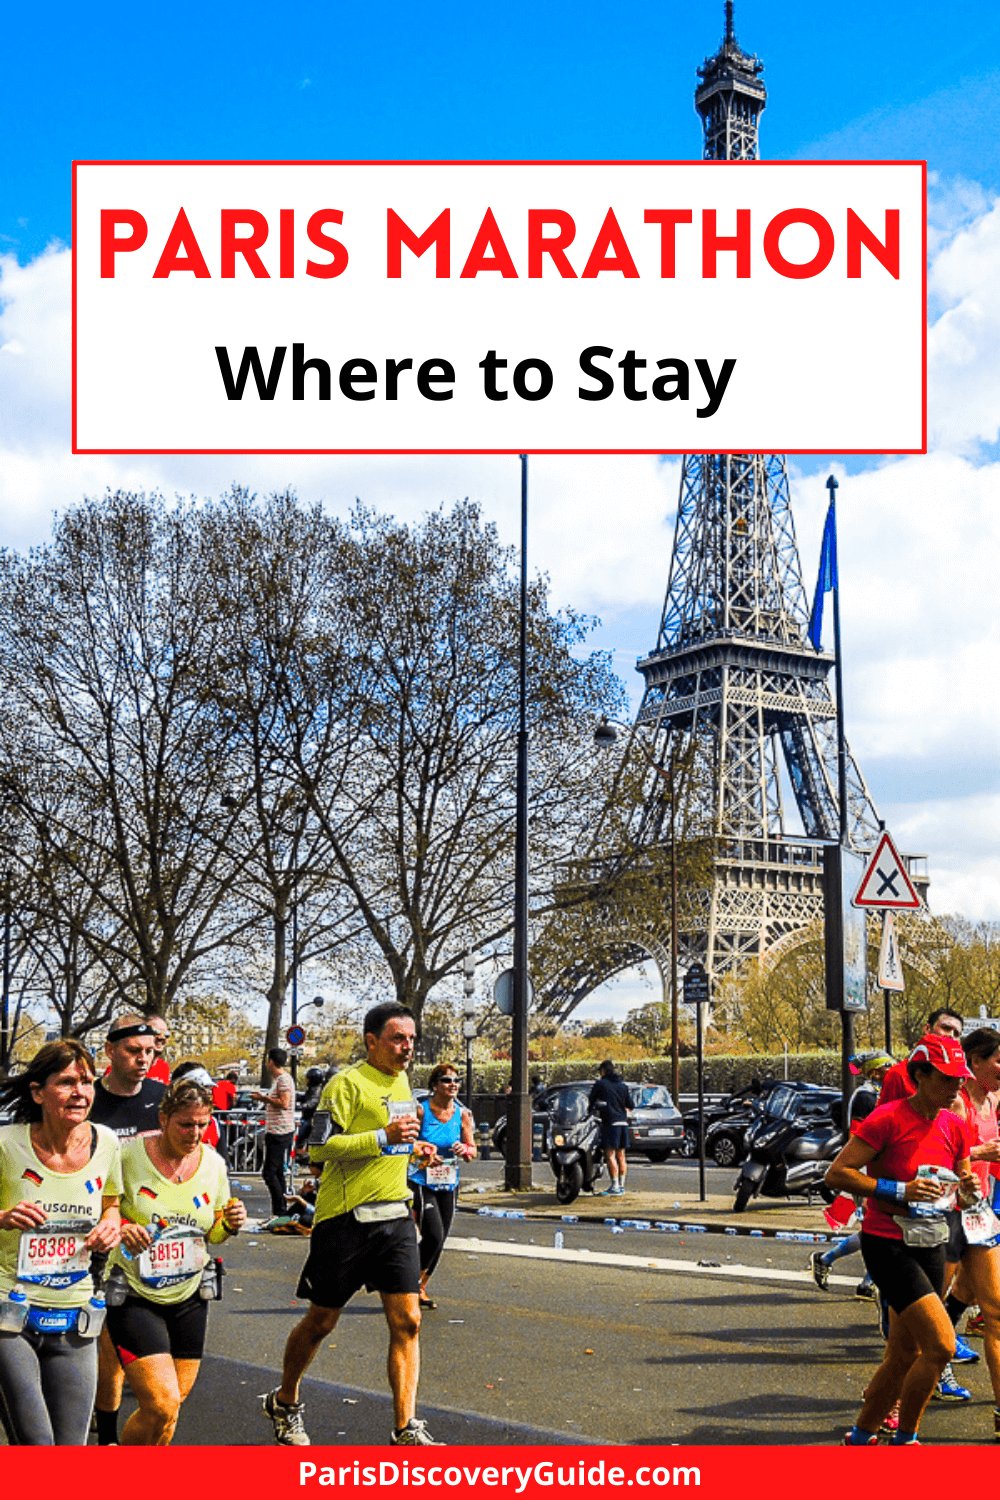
[[907, 1159]]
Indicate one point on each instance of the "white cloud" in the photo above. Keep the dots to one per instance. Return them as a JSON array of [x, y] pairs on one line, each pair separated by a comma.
[[919, 536]]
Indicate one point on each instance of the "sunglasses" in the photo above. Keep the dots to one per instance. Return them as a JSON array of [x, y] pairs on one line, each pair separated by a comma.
[[450, 1080]]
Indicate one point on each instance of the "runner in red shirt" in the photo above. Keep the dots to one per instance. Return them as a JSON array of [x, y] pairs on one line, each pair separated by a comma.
[[897, 1083], [900, 1144]]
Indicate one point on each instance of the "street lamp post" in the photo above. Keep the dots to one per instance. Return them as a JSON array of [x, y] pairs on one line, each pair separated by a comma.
[[517, 1171]]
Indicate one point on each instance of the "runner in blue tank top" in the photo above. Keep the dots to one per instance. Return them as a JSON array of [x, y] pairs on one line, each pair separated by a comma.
[[448, 1126]]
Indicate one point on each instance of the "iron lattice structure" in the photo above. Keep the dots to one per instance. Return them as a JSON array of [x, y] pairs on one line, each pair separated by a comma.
[[733, 683]]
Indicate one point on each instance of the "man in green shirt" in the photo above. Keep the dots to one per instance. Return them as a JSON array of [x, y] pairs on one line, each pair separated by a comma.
[[363, 1231]]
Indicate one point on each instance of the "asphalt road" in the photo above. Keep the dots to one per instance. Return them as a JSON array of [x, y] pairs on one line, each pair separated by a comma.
[[534, 1344], [633, 1337]]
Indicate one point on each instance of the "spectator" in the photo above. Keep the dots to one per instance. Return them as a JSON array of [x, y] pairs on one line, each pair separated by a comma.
[[612, 1103], [279, 1127]]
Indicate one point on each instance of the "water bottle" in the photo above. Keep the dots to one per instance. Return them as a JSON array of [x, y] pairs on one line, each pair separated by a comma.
[[558, 1239], [92, 1315], [14, 1310]]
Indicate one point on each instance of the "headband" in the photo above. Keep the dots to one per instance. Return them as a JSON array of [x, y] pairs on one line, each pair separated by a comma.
[[141, 1028]]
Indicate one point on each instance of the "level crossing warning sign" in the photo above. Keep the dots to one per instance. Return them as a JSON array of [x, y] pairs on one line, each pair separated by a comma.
[[885, 883]]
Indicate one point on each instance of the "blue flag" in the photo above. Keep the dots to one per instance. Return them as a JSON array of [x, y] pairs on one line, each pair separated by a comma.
[[827, 576]]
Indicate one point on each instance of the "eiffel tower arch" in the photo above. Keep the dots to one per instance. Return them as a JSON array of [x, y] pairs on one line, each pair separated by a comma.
[[734, 681]]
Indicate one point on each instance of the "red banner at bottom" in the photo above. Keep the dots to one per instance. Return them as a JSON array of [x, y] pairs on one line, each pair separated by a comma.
[[487, 1473]]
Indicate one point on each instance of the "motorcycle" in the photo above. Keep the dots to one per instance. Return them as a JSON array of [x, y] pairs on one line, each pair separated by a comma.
[[790, 1145], [573, 1143]]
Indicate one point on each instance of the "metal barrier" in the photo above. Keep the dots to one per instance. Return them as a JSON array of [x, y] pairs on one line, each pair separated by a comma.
[[244, 1140]]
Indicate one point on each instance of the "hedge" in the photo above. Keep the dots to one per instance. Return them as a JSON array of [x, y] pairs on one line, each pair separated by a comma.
[[723, 1073]]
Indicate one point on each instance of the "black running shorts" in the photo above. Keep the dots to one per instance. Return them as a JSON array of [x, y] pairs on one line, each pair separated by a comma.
[[345, 1256], [139, 1328], [615, 1137], [903, 1273]]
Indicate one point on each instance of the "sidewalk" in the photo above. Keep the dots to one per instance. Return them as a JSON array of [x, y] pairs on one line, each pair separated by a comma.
[[675, 1211]]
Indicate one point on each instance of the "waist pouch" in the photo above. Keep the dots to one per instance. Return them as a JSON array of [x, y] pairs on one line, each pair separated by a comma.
[[378, 1213], [924, 1233], [52, 1319]]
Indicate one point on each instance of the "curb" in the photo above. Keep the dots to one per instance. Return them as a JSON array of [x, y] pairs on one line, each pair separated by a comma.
[[659, 1226]]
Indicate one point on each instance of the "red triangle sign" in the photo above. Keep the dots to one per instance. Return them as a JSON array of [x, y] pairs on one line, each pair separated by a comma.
[[885, 882]]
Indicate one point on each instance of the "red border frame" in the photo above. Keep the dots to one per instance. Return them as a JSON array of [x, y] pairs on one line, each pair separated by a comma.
[[500, 452]]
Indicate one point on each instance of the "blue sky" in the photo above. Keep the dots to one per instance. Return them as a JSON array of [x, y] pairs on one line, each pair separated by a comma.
[[549, 80], [920, 537]]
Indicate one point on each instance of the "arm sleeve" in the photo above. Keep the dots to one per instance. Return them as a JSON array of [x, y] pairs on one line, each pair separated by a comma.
[[341, 1099]]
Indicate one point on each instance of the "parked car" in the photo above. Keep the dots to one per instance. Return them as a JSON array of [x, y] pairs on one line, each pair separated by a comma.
[[656, 1127], [727, 1120]]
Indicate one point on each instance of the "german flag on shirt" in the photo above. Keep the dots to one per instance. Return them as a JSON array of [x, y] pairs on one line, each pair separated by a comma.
[[145, 1192], [29, 1176]]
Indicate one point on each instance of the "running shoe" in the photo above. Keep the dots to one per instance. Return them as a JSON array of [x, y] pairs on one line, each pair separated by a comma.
[[866, 1291], [974, 1327], [964, 1353], [616, 1189], [287, 1420], [820, 1270], [414, 1435], [871, 1442], [948, 1388], [890, 1422]]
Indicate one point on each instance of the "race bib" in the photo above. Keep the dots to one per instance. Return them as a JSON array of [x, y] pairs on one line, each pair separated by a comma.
[[401, 1109], [445, 1174], [981, 1225], [172, 1258], [54, 1255]]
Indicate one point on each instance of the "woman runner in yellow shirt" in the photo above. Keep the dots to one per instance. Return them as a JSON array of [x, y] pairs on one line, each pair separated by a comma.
[[175, 1203]]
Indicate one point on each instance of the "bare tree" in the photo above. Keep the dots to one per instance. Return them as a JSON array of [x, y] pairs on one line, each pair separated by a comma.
[[106, 636], [420, 813]]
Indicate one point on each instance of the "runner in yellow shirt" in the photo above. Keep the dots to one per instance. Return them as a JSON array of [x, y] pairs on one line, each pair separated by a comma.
[[60, 1178], [364, 1134], [175, 1204]]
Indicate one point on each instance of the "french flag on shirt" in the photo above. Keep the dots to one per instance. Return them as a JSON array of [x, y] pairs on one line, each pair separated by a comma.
[[201, 1200], [94, 1185]]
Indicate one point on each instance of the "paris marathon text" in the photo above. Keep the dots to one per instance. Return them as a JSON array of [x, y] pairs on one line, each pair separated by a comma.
[[264, 250]]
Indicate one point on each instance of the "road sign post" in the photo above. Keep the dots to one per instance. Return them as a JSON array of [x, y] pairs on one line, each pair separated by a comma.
[[845, 948], [698, 993]]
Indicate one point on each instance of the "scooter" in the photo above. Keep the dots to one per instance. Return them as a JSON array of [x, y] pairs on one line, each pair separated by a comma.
[[573, 1145], [786, 1158]]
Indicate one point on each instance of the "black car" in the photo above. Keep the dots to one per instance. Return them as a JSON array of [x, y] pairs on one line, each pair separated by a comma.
[[655, 1128]]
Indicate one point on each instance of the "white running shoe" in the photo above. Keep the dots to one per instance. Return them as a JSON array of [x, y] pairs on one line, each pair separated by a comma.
[[414, 1435], [288, 1420]]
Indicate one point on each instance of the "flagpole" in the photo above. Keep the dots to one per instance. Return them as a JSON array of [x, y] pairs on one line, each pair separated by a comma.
[[831, 485], [846, 1016]]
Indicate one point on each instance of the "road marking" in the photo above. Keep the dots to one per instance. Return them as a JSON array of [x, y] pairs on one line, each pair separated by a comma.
[[473, 1245]]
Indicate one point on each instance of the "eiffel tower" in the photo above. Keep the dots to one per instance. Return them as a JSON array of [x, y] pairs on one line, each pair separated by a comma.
[[734, 676]]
